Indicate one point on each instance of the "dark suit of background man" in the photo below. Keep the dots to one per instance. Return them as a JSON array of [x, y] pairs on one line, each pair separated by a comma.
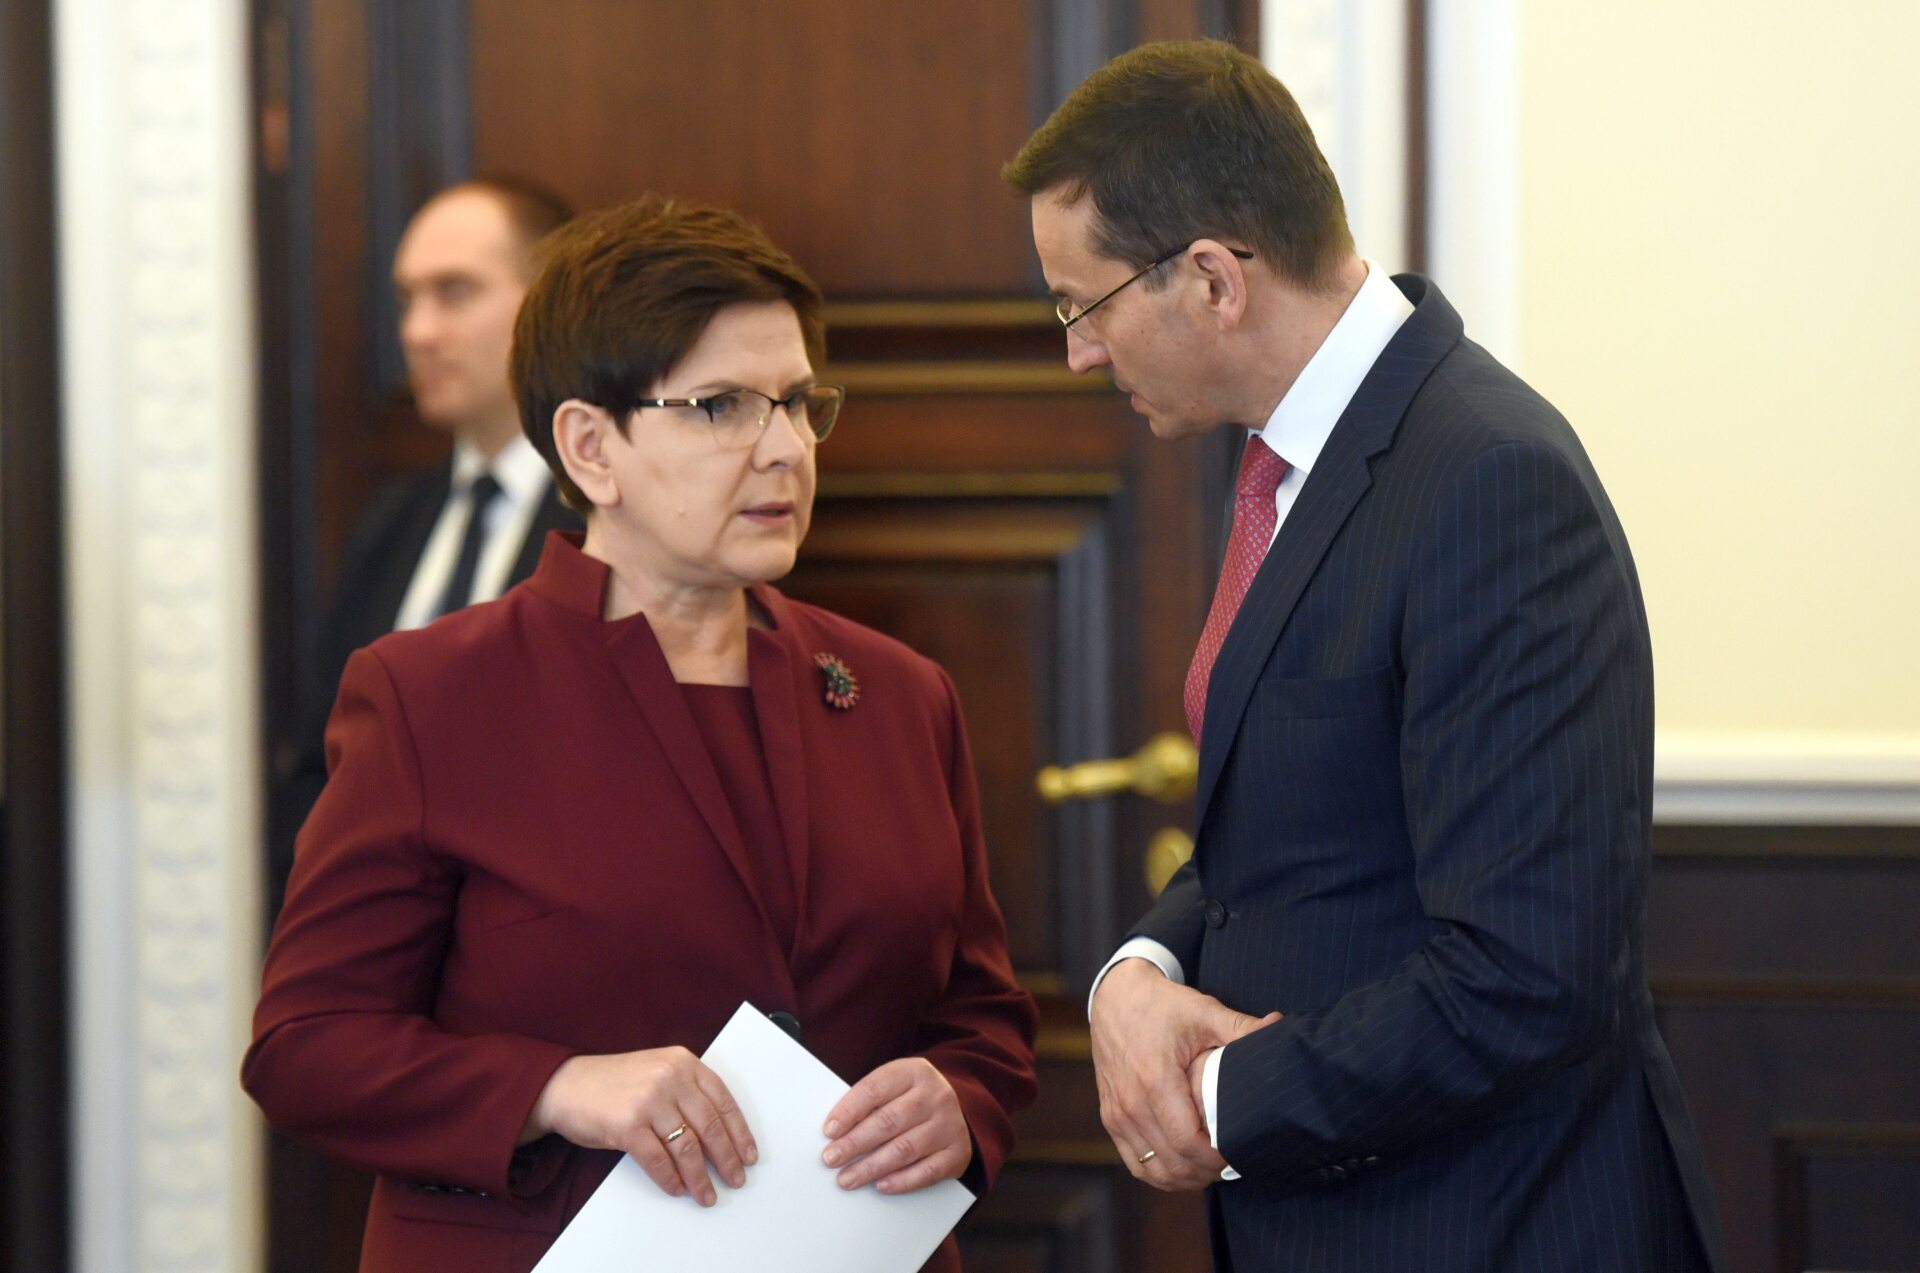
[[1394, 1014], [474, 526]]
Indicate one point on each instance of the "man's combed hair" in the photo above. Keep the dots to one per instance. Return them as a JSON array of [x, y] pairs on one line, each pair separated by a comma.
[[620, 297], [535, 210], [1188, 140]]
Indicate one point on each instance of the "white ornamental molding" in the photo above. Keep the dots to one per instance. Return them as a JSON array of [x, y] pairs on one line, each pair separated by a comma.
[[1300, 42], [1788, 779], [1346, 65], [159, 380], [1473, 166]]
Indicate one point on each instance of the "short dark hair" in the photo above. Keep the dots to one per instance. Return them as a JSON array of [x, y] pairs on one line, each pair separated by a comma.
[[533, 211], [1186, 140], [621, 296]]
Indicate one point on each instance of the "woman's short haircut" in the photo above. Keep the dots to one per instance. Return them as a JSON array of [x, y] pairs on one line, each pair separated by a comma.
[[1189, 140], [619, 297]]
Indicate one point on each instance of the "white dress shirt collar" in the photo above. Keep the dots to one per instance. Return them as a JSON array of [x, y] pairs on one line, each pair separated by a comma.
[[1299, 427], [522, 474], [523, 478]]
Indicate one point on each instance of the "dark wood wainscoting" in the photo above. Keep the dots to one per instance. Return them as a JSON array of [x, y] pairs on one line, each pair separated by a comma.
[[33, 789], [1786, 968]]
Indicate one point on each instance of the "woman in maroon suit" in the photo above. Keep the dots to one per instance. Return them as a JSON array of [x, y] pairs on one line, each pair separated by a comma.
[[566, 833]]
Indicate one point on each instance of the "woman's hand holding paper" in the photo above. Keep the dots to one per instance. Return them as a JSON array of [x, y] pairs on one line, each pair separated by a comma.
[[661, 1105], [900, 1126]]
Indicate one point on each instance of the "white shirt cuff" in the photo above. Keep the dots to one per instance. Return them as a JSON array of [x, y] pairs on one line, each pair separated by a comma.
[[1139, 948], [1210, 1104]]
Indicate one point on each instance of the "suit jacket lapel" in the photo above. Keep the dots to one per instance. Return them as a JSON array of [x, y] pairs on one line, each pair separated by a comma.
[[396, 546], [772, 668], [1337, 483], [642, 665]]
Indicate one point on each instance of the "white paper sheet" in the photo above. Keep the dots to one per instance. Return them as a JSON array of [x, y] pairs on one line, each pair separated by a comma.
[[790, 1215]]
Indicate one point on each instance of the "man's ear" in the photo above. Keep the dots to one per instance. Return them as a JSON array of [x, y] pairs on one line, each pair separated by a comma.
[[582, 434], [1225, 278]]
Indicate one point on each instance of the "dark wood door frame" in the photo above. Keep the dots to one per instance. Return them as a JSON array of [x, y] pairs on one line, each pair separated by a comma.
[[33, 792]]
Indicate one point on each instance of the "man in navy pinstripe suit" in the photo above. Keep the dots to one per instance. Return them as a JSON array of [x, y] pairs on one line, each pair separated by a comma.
[[1394, 1014]]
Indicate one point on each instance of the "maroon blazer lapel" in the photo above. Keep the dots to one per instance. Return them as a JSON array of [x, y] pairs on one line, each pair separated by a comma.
[[771, 671], [578, 582], [641, 664]]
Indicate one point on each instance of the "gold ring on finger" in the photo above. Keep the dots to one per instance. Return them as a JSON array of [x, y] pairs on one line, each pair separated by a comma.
[[676, 1133], [1147, 1157]]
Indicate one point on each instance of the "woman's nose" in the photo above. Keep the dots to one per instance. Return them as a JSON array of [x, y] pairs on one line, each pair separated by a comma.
[[785, 437]]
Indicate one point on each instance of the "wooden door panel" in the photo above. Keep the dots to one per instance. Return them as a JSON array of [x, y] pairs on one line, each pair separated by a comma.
[[947, 431], [866, 142]]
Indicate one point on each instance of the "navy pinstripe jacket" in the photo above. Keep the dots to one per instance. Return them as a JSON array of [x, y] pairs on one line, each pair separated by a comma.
[[1425, 801]]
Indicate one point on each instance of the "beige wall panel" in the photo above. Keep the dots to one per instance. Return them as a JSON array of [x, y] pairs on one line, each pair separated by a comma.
[[1717, 255]]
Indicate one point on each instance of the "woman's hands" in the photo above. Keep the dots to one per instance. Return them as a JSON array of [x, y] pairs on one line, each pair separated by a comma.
[[906, 1121], [900, 1126], [635, 1102]]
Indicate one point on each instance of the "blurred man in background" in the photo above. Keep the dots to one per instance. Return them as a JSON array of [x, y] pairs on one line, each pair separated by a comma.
[[472, 527]]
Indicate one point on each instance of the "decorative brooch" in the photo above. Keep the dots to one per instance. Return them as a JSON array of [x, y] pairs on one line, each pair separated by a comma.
[[842, 690]]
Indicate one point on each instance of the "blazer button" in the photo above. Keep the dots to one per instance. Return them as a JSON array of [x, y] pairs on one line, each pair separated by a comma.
[[1216, 913]]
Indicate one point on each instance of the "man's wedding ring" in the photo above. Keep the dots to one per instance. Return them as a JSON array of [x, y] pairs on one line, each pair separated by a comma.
[[1147, 1157], [676, 1133]]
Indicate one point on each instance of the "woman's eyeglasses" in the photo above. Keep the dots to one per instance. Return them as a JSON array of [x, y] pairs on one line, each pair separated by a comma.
[[740, 416]]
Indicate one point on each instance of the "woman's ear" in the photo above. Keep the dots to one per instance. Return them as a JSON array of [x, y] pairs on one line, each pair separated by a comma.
[[581, 435]]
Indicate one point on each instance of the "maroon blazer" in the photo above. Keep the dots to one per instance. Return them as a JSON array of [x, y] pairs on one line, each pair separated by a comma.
[[523, 853]]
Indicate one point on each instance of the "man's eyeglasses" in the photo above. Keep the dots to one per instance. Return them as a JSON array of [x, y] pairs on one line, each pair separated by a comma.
[[739, 416], [1069, 315]]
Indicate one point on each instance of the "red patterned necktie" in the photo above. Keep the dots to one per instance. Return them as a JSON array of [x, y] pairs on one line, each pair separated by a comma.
[[1253, 520]]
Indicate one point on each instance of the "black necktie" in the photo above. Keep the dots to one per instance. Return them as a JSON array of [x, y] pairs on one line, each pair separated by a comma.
[[480, 497]]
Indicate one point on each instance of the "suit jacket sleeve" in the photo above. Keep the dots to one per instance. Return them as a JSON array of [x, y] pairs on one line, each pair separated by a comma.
[[1176, 920], [1525, 707], [346, 1053], [980, 1034]]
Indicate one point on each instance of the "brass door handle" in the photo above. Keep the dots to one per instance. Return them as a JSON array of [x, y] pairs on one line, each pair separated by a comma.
[[1167, 852], [1166, 769]]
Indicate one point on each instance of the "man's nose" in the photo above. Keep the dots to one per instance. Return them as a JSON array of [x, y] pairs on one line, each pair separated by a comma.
[[418, 324], [1084, 354]]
